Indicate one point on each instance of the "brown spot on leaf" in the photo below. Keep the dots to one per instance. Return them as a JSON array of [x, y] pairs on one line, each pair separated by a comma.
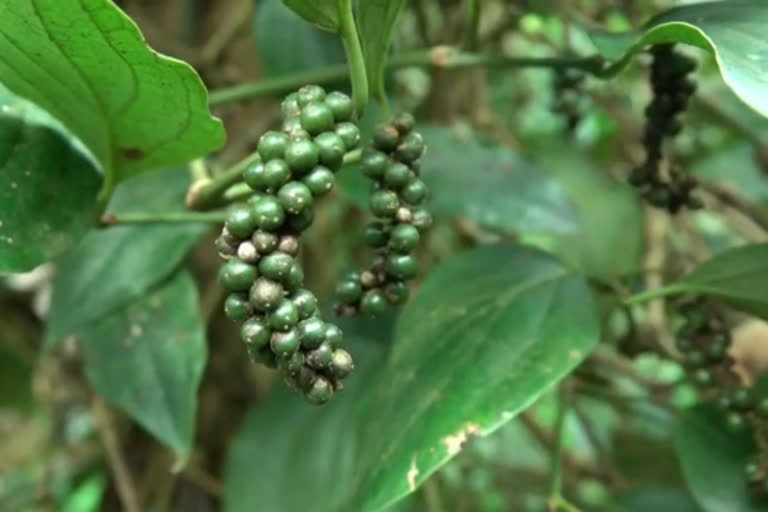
[[132, 153]]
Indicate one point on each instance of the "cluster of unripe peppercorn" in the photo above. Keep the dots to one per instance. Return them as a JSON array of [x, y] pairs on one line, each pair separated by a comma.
[[704, 342], [672, 90], [568, 90], [397, 200], [281, 323]]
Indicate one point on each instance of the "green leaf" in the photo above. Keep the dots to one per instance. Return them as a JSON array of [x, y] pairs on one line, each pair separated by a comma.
[[656, 498], [148, 359], [288, 44], [738, 276], [114, 266], [322, 13], [733, 31], [488, 333], [713, 460], [48, 188], [133, 109], [492, 186], [377, 20], [299, 446]]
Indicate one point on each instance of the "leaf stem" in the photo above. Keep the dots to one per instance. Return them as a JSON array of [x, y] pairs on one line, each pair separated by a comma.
[[355, 58], [441, 57], [649, 295], [214, 217], [205, 193], [473, 24], [556, 482]]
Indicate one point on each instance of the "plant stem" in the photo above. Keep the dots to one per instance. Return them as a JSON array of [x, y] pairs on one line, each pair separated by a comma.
[[442, 57], [205, 193], [556, 482], [473, 24], [355, 58], [647, 296], [215, 217]]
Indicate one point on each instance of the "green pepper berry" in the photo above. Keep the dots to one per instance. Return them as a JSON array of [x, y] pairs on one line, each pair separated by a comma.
[[225, 250], [341, 364], [290, 106], [255, 333], [237, 308], [264, 241], [276, 265], [404, 122], [334, 336], [341, 105], [284, 344], [289, 244], [349, 291], [302, 155], [284, 317], [402, 266], [292, 127], [295, 278], [237, 276], [375, 235], [301, 221], [269, 213], [397, 176], [724, 403], [292, 364], [321, 357], [683, 344], [261, 355], [276, 174], [319, 181], [320, 391], [752, 471], [253, 175], [385, 138], [702, 378], [404, 238], [735, 422], [397, 292], [247, 252], [305, 302], [350, 135], [331, 149], [309, 94], [272, 145], [415, 192], [761, 409], [421, 219], [240, 221], [695, 358], [384, 203], [316, 118], [229, 237], [265, 294], [373, 303], [311, 333], [742, 398], [294, 196], [255, 198], [374, 163], [411, 148], [718, 348]]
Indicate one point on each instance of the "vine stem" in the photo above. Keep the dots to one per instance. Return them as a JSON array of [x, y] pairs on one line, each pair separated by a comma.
[[473, 24], [556, 500], [441, 57], [214, 217], [355, 58], [647, 296]]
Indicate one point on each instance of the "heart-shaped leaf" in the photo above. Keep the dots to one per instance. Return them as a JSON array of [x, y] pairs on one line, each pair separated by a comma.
[[733, 31], [48, 188], [487, 334], [113, 267], [148, 359], [377, 20], [713, 460], [322, 13], [132, 108]]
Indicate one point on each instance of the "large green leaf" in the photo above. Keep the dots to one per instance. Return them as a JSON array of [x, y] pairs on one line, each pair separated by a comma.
[[148, 359], [487, 334], [322, 13], [738, 276], [48, 187], [287, 44], [114, 266], [86, 63], [377, 20], [713, 460], [493, 186], [733, 31]]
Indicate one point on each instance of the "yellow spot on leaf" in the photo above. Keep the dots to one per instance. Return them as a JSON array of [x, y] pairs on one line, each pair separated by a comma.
[[454, 443], [413, 472]]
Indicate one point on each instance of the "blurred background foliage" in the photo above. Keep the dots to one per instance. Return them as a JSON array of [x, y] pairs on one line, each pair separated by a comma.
[[502, 164]]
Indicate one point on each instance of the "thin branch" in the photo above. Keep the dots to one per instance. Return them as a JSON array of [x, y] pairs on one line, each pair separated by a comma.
[[112, 219], [755, 212]]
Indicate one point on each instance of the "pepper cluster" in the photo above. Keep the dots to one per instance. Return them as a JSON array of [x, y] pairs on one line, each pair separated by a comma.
[[568, 90], [281, 324], [397, 200], [672, 91], [704, 343]]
